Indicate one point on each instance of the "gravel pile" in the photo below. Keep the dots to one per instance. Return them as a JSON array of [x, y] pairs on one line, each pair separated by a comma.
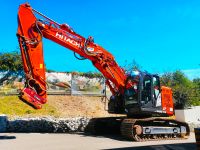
[[51, 125], [47, 125]]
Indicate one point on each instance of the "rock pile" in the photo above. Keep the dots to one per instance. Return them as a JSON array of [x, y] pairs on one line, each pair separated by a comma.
[[48, 125], [52, 125]]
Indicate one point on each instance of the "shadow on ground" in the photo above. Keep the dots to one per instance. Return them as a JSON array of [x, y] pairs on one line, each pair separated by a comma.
[[117, 137], [110, 128], [5, 137], [106, 127]]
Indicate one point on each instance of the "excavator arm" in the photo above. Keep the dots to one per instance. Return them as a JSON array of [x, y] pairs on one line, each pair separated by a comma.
[[32, 29]]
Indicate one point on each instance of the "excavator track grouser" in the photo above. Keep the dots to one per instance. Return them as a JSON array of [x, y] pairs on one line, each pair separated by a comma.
[[153, 129]]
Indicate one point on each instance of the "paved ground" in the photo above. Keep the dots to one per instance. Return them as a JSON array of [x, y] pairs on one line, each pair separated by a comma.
[[33, 141]]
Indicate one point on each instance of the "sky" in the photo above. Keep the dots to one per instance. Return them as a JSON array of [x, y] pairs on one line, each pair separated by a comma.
[[161, 36]]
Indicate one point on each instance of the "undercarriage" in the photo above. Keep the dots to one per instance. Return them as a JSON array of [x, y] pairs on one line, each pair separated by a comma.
[[154, 129], [146, 129]]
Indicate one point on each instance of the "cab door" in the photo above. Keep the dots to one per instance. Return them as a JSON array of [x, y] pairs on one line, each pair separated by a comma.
[[146, 92], [151, 94], [157, 92]]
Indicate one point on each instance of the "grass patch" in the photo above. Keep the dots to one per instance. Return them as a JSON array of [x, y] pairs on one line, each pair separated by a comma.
[[12, 106]]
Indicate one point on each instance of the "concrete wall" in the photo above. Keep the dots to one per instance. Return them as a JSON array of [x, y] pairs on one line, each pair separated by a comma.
[[189, 115], [3, 123]]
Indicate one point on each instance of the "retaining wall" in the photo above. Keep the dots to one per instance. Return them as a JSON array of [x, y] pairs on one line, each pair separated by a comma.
[[43, 125], [191, 116]]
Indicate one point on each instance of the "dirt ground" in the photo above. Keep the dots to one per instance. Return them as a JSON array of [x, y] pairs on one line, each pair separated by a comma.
[[74, 106]]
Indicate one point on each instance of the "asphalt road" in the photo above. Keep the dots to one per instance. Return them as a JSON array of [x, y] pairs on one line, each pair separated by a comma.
[[39, 141]]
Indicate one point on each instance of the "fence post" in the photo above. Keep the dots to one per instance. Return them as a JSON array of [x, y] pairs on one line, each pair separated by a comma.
[[71, 84]]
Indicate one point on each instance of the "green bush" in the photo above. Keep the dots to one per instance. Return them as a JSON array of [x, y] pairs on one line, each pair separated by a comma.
[[185, 92]]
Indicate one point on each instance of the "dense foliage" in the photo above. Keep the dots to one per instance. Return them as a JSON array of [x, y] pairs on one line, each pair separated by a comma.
[[11, 65], [185, 91]]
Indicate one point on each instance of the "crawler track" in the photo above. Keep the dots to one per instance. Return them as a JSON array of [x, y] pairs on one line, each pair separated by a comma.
[[133, 129], [147, 129]]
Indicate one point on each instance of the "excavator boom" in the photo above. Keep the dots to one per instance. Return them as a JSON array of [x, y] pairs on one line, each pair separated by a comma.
[[30, 32]]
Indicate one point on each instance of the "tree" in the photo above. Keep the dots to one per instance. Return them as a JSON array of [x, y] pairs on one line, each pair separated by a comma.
[[183, 89], [196, 91], [197, 82], [128, 67], [166, 79], [10, 65]]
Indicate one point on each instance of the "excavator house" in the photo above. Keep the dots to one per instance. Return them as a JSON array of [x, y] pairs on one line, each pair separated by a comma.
[[147, 105]]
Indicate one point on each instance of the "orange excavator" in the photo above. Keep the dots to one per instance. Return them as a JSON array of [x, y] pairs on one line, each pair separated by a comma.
[[148, 105]]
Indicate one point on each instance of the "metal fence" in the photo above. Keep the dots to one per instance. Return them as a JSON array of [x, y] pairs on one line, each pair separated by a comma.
[[61, 84]]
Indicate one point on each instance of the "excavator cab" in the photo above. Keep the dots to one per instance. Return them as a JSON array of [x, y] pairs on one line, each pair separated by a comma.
[[144, 98]]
